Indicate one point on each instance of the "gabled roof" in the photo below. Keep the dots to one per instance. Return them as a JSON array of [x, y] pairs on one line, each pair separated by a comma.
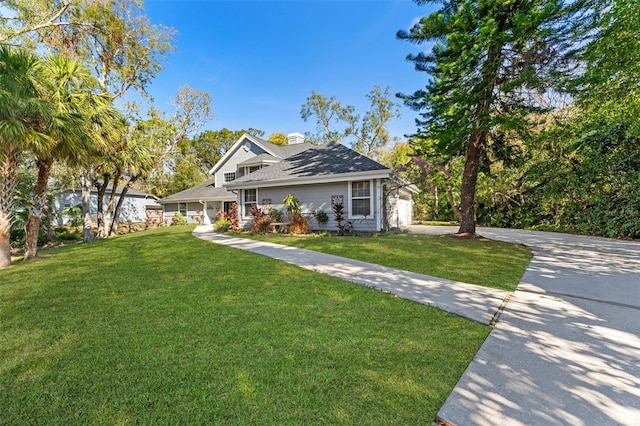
[[329, 160], [278, 151], [205, 192]]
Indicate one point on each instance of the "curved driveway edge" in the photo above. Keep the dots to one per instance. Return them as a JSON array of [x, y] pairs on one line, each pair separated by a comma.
[[481, 304], [567, 348]]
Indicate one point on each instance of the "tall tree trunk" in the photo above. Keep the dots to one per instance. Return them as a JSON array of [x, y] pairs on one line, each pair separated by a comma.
[[477, 140], [48, 211], [112, 196], [102, 223], [437, 203], [8, 169], [116, 213], [469, 181], [87, 225], [454, 206], [36, 208]]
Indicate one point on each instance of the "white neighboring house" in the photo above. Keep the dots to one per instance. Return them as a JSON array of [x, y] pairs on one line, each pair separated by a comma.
[[255, 171], [138, 206]]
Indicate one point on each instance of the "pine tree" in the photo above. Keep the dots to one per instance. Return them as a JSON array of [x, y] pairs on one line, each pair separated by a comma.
[[491, 64]]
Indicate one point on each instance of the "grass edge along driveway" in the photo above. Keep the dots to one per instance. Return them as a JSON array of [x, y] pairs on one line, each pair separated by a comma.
[[489, 263]]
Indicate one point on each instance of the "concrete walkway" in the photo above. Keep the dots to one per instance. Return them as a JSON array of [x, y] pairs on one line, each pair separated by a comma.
[[566, 349], [475, 302]]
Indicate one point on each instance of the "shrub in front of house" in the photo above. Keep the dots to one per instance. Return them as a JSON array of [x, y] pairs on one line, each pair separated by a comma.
[[321, 216], [231, 216], [345, 227], [178, 219], [292, 204], [260, 221], [275, 214], [222, 225], [298, 224]]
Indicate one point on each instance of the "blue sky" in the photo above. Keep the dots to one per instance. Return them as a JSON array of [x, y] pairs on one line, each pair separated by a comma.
[[260, 60]]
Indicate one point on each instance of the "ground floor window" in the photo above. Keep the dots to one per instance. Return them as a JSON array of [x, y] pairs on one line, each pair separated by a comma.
[[250, 198], [360, 199], [182, 209]]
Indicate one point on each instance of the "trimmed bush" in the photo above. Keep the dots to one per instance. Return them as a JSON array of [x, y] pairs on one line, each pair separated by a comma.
[[222, 225], [178, 220], [321, 216]]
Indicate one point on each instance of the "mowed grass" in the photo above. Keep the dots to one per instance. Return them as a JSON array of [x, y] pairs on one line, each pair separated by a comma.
[[162, 328], [484, 262]]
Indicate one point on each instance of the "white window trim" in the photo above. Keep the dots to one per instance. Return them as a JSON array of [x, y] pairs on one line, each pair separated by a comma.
[[224, 176], [186, 209], [350, 199], [247, 214], [247, 169]]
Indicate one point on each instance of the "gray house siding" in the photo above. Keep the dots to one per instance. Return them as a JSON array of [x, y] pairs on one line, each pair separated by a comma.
[[237, 157], [315, 197], [194, 212]]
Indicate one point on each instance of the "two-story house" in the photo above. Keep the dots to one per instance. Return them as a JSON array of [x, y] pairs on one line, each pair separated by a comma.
[[255, 171]]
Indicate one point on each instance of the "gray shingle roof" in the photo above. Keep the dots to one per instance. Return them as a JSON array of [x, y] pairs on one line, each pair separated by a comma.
[[259, 159], [331, 158], [204, 191], [282, 151]]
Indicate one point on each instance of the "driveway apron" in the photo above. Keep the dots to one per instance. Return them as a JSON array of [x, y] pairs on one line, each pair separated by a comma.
[[566, 350]]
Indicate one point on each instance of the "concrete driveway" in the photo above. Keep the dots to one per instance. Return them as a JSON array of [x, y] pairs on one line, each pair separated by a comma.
[[566, 350]]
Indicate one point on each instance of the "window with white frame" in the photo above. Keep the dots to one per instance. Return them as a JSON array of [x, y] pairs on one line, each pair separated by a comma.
[[251, 169], [250, 198], [182, 209], [360, 199], [229, 176]]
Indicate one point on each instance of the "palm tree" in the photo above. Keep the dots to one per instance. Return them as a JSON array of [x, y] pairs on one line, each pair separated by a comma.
[[137, 161], [109, 127], [67, 83], [24, 117], [87, 126]]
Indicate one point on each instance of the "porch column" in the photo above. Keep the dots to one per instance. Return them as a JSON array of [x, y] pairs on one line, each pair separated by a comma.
[[379, 204], [205, 215]]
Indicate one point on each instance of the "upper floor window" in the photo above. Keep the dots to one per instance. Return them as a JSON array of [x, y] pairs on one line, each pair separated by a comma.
[[229, 176], [249, 169]]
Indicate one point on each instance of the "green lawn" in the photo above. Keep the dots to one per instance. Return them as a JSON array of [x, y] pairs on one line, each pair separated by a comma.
[[160, 327], [489, 263]]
